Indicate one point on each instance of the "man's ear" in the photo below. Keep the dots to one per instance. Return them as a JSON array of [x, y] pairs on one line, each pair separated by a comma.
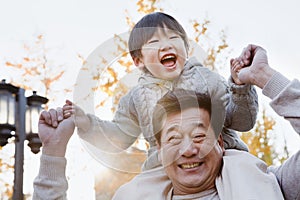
[[138, 63], [221, 142], [158, 150], [157, 145]]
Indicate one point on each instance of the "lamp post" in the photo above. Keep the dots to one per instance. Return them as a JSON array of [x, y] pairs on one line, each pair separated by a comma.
[[19, 114]]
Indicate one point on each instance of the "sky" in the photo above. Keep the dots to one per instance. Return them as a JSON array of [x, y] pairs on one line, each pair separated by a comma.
[[75, 27]]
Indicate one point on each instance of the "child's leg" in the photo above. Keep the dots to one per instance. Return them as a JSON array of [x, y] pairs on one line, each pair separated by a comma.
[[150, 184]]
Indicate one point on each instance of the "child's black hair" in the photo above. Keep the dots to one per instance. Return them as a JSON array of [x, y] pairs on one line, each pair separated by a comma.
[[147, 26]]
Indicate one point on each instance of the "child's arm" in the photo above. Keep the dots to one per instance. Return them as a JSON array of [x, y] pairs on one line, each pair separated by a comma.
[[112, 136], [243, 102]]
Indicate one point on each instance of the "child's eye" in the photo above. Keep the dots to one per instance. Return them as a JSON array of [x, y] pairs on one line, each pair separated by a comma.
[[174, 37], [152, 41]]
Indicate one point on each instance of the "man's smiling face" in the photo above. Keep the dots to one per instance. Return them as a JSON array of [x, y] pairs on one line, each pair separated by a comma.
[[190, 153]]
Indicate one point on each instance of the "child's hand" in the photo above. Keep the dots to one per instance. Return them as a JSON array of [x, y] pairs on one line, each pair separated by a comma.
[[236, 65], [258, 70], [80, 118]]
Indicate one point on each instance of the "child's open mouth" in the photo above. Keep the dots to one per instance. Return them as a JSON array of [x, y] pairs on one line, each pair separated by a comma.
[[169, 60]]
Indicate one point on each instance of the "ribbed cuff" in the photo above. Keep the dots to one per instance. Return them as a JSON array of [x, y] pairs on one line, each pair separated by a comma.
[[52, 167], [238, 89], [275, 85]]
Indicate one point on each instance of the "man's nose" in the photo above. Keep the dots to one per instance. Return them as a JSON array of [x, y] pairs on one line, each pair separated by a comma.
[[188, 148]]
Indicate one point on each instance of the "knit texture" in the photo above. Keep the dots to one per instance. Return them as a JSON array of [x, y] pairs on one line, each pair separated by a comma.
[[134, 114]]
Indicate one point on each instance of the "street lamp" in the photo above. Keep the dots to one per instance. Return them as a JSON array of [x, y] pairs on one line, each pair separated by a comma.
[[34, 108], [20, 115], [8, 94]]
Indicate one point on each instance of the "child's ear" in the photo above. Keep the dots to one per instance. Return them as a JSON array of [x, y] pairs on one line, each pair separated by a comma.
[[138, 63], [159, 152]]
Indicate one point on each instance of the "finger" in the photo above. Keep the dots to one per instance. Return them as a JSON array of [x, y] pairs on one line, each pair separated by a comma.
[[45, 117], [234, 76], [59, 112], [253, 48], [68, 110], [237, 69], [68, 102], [234, 62], [231, 61], [237, 64], [249, 53], [241, 63], [53, 115], [247, 57], [67, 107], [67, 114]]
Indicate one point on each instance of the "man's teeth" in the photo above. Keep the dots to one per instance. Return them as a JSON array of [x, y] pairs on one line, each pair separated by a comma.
[[188, 166]]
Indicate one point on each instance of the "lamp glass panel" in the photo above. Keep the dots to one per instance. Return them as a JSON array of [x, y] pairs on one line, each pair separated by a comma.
[[11, 110], [3, 107], [28, 121], [35, 112]]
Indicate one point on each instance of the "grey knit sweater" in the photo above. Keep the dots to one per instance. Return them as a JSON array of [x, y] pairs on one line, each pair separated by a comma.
[[134, 113]]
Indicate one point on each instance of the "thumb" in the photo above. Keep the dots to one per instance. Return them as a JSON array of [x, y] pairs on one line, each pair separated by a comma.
[[69, 102]]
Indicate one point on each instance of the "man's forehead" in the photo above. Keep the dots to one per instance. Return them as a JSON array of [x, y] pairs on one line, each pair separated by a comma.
[[191, 116]]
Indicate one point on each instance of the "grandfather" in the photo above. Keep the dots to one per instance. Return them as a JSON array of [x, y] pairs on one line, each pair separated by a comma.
[[192, 151]]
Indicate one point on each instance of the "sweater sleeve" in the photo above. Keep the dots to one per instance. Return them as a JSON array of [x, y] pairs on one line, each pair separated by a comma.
[[51, 182], [242, 107], [285, 97], [115, 135]]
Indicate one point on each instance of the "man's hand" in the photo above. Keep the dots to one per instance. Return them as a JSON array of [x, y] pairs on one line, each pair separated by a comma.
[[252, 66], [55, 132]]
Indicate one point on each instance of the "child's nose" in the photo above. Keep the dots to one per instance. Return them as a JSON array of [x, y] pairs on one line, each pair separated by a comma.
[[165, 45]]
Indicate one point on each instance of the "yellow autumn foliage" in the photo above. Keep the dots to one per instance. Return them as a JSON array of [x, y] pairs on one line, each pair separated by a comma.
[[259, 141]]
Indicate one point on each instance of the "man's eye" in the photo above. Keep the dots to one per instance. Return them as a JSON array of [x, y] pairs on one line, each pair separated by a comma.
[[174, 139], [199, 137]]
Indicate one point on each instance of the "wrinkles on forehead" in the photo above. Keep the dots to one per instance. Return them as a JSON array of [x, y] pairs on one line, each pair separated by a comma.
[[180, 127], [187, 121]]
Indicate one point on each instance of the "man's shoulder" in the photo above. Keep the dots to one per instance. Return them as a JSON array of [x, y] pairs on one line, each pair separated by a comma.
[[237, 156]]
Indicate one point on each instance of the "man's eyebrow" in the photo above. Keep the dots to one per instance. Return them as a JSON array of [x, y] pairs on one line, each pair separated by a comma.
[[197, 124], [172, 128]]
